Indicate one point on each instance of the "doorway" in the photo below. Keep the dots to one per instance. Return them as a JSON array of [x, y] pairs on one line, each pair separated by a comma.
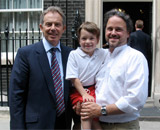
[[136, 10]]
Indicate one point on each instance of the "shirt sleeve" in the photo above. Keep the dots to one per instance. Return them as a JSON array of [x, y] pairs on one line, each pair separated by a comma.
[[135, 85], [72, 69]]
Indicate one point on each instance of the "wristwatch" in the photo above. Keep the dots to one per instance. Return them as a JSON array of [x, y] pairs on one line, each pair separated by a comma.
[[104, 111]]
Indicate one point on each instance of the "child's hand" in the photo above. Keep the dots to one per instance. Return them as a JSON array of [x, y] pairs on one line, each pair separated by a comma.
[[87, 98], [77, 108]]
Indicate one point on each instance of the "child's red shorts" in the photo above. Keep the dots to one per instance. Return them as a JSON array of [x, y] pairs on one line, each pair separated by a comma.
[[76, 97]]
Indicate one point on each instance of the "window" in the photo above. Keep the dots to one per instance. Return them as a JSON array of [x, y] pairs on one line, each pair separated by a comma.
[[19, 15]]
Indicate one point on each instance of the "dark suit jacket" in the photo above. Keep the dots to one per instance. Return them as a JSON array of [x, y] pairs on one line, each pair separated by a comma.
[[32, 97], [142, 42]]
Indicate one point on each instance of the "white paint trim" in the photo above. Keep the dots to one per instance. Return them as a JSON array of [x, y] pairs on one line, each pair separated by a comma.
[[21, 10], [93, 13], [153, 45]]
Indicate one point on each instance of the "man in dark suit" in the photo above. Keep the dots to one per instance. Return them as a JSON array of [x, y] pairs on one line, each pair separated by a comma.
[[142, 42], [32, 96]]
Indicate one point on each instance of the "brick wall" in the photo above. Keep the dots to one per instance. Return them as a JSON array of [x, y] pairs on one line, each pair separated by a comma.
[[70, 8]]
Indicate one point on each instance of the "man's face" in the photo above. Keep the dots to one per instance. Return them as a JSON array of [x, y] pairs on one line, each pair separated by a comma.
[[116, 33], [52, 27]]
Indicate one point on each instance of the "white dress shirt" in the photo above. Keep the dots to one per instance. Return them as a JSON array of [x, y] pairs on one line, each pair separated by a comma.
[[84, 67], [123, 80]]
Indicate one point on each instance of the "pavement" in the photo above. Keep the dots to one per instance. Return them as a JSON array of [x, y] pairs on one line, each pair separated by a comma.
[[150, 116], [4, 118], [150, 112], [149, 119]]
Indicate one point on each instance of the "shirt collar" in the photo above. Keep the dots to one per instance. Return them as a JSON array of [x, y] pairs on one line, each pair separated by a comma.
[[118, 50], [48, 46], [83, 54]]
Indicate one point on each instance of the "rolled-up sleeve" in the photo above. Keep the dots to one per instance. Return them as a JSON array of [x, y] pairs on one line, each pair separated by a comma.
[[135, 90]]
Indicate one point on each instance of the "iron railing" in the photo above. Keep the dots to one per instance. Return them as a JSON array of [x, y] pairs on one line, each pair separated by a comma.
[[10, 42]]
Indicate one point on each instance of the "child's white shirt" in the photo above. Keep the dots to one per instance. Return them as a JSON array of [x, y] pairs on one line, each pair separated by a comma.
[[84, 67]]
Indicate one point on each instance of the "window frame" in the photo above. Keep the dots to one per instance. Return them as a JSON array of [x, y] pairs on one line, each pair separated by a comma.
[[13, 50]]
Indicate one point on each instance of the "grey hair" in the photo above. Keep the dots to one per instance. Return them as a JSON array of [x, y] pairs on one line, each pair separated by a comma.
[[53, 9], [121, 14]]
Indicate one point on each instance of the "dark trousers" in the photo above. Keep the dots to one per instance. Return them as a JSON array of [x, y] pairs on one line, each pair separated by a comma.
[[60, 122]]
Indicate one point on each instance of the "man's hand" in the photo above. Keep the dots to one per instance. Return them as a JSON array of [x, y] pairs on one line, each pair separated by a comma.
[[90, 110]]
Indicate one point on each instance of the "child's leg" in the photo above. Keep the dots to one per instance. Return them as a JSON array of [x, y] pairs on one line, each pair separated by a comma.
[[96, 125], [86, 124]]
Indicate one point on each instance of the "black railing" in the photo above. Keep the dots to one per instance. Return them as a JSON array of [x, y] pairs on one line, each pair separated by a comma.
[[10, 42], [77, 23]]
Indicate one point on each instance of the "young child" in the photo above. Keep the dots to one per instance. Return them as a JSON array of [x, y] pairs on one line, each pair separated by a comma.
[[82, 67]]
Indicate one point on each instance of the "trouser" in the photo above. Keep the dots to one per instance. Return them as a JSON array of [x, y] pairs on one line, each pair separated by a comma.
[[60, 123], [132, 125]]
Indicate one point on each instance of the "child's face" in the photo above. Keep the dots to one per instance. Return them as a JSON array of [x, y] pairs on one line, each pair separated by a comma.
[[88, 42]]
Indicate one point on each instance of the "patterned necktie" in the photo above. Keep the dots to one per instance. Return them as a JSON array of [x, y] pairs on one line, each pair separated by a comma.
[[56, 75]]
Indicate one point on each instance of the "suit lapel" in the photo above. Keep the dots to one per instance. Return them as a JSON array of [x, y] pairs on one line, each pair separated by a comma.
[[43, 60]]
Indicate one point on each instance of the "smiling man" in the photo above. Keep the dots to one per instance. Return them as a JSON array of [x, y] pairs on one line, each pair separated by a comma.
[[116, 32], [122, 83], [39, 95]]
